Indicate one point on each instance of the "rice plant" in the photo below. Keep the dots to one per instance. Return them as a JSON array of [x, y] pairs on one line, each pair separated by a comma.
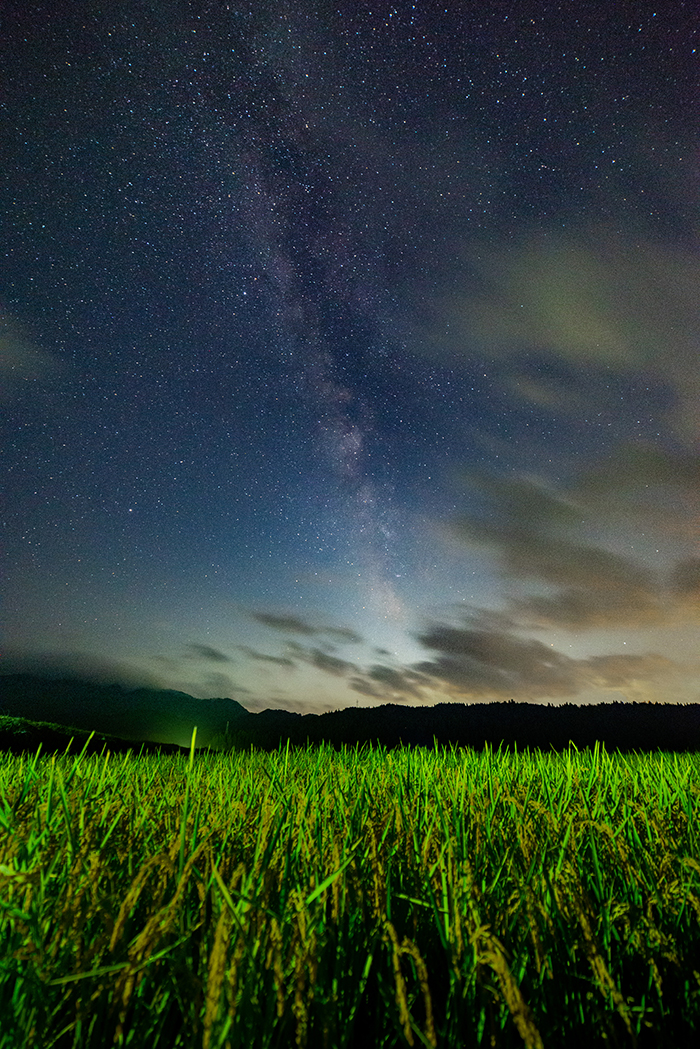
[[330, 900]]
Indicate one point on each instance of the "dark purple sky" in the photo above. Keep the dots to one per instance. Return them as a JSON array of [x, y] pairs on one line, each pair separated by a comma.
[[351, 352]]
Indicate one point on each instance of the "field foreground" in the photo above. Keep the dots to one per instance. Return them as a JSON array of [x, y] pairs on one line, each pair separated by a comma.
[[326, 899]]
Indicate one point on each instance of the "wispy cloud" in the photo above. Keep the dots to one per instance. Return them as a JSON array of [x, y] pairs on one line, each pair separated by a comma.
[[289, 624], [321, 660], [22, 363], [597, 302], [599, 551], [596, 296], [496, 664], [286, 624], [389, 684], [492, 665], [342, 634], [262, 657], [220, 686], [556, 537], [207, 653], [403, 681]]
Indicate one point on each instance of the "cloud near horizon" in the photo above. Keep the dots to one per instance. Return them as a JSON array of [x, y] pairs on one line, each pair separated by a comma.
[[263, 657], [560, 539], [565, 564], [567, 541], [316, 657], [295, 625], [207, 653], [79, 666], [491, 665]]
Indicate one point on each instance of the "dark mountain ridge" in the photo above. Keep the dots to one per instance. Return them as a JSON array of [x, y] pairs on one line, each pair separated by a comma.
[[162, 715], [168, 717]]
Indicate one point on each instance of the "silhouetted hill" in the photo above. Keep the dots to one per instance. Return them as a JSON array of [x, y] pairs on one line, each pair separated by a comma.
[[20, 736], [620, 726], [162, 715], [168, 716]]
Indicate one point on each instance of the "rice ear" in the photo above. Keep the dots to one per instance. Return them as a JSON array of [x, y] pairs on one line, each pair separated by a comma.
[[216, 972]]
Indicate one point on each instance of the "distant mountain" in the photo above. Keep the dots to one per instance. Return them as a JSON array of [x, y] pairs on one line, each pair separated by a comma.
[[163, 715], [619, 726], [21, 736], [168, 717]]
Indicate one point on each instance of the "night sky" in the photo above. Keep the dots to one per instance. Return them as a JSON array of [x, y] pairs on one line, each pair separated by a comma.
[[351, 351]]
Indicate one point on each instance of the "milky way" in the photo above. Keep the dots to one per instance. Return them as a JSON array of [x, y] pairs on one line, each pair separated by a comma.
[[350, 354]]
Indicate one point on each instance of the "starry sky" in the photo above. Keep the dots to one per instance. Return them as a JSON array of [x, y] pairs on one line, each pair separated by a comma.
[[350, 353]]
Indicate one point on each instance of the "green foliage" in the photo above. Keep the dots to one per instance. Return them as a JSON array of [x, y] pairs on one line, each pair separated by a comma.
[[336, 899], [11, 724]]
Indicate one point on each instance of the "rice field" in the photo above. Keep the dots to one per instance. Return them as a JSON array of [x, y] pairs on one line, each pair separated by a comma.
[[331, 900]]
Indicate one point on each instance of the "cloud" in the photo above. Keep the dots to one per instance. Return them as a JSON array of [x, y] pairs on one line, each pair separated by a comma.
[[295, 625], [644, 482], [479, 662], [342, 634], [207, 653], [633, 465], [23, 364], [572, 541], [361, 685], [618, 670], [684, 584], [404, 681], [598, 302], [218, 685], [685, 578], [80, 666], [289, 624], [391, 684], [379, 681], [565, 540], [595, 296], [496, 665], [579, 609], [321, 660], [532, 531], [331, 664], [262, 657]]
